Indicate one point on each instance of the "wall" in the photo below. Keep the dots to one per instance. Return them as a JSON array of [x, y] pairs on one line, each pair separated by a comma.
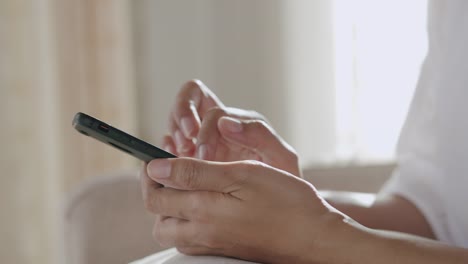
[[260, 55]]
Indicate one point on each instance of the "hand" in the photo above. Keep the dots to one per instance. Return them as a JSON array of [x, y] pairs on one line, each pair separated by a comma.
[[224, 138], [201, 126], [192, 102], [246, 209]]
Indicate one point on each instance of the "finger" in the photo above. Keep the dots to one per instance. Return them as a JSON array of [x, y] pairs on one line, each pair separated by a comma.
[[255, 135], [147, 187], [186, 115], [170, 232], [184, 146], [192, 102], [188, 205], [209, 136], [173, 232], [142, 171], [192, 174], [169, 145]]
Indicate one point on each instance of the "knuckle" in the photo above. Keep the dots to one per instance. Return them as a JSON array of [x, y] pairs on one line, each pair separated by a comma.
[[190, 174], [190, 92], [194, 84], [260, 127], [165, 233], [190, 86], [251, 166], [260, 132], [157, 233], [215, 113], [290, 153], [251, 169], [259, 124], [147, 200], [153, 201], [293, 156]]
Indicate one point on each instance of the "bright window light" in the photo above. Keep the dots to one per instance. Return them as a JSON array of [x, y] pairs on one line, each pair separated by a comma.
[[379, 48]]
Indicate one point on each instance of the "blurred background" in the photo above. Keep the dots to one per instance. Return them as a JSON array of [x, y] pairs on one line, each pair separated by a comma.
[[335, 79]]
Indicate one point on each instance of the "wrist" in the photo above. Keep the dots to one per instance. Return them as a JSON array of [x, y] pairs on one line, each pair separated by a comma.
[[337, 241]]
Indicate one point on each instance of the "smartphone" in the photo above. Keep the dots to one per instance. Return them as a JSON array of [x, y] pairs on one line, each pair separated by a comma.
[[105, 133]]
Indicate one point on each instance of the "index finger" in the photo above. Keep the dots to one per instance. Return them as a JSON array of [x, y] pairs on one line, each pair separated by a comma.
[[192, 102]]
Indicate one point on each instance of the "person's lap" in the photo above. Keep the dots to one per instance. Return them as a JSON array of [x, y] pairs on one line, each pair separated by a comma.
[[172, 256]]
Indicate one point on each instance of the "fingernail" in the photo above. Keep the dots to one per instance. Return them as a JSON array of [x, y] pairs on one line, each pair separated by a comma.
[[187, 126], [202, 151], [231, 124], [159, 169]]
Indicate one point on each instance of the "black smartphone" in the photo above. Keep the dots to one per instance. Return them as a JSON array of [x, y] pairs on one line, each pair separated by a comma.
[[105, 133]]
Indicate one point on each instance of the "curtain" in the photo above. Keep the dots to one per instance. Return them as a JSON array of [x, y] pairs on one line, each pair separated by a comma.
[[56, 58]]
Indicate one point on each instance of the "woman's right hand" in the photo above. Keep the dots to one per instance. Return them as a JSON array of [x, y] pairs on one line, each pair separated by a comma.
[[201, 126]]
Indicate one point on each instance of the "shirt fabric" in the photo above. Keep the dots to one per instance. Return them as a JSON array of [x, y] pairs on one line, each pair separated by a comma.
[[433, 147]]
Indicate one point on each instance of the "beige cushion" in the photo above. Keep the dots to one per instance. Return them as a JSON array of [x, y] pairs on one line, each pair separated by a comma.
[[105, 222]]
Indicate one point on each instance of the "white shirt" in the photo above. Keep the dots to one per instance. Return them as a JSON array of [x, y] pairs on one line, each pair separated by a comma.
[[433, 148]]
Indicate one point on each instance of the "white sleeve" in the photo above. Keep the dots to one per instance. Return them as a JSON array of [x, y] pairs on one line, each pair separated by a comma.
[[417, 181], [432, 152]]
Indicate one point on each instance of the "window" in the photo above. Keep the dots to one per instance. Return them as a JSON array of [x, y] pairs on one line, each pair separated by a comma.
[[379, 48]]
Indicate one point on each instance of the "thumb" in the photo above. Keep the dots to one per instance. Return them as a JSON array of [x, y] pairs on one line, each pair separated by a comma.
[[194, 174], [255, 135]]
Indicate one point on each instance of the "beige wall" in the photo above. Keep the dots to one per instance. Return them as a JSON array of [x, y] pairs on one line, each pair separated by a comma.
[[270, 55], [235, 47]]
